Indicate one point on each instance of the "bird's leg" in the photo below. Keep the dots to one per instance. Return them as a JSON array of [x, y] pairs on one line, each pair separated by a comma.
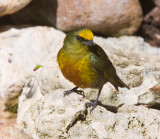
[[74, 90], [94, 104]]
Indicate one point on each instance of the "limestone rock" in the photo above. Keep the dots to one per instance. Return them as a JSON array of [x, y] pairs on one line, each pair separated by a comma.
[[62, 113], [109, 17], [20, 51], [48, 76], [130, 122], [137, 64], [10, 6], [55, 116], [44, 113]]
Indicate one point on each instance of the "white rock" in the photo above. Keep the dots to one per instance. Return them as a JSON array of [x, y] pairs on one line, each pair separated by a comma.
[[50, 78], [55, 116], [130, 122], [137, 64], [10, 6], [20, 51]]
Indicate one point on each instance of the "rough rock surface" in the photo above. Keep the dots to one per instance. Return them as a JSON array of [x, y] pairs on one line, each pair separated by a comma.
[[12, 6], [20, 51], [137, 64], [130, 122], [55, 116], [44, 113], [11, 131], [109, 17], [62, 113]]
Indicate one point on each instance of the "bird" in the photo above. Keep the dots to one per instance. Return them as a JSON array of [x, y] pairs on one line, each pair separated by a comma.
[[85, 64]]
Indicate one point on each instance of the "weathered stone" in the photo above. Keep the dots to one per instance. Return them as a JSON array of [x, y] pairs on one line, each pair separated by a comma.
[[109, 17], [20, 51], [130, 122], [9, 6], [62, 113], [136, 62], [53, 116]]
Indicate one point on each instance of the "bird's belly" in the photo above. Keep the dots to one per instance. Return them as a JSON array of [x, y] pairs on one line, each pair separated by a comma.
[[80, 72]]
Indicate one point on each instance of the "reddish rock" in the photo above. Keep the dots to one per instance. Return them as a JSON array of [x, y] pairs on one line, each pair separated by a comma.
[[157, 2], [107, 17], [10, 131], [153, 18], [5, 116], [151, 27], [156, 89]]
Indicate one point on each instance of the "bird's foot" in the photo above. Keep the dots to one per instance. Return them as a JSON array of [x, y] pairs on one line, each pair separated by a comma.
[[74, 90], [92, 104]]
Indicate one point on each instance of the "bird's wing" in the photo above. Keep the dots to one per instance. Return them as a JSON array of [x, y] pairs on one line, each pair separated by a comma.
[[101, 62]]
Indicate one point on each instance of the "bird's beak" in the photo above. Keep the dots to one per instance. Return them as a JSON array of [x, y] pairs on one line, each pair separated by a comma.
[[89, 43]]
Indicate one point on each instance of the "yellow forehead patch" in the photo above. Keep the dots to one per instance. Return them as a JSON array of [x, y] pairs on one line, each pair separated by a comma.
[[86, 34]]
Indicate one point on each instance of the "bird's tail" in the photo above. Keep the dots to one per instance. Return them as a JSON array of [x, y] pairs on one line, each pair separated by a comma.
[[119, 83]]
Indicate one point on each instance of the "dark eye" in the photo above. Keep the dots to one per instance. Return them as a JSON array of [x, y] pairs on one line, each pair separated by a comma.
[[79, 38]]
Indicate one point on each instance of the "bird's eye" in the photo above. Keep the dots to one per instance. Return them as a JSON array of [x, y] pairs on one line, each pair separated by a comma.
[[79, 38]]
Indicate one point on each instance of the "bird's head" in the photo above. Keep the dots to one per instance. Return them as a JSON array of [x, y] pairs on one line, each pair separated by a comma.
[[84, 36]]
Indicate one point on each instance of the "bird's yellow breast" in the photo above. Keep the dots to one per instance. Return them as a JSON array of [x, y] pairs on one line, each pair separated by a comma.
[[79, 71]]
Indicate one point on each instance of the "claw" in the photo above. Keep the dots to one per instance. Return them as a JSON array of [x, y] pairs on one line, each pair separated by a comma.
[[74, 90], [66, 93], [92, 104]]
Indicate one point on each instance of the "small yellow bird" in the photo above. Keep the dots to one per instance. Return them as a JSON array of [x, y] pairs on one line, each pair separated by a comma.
[[85, 63]]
